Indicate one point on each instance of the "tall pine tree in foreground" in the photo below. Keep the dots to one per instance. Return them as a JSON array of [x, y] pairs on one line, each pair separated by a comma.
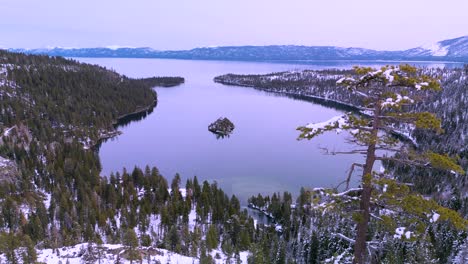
[[388, 95]]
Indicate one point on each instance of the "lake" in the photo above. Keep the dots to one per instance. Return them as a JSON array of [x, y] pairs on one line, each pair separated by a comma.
[[261, 156]]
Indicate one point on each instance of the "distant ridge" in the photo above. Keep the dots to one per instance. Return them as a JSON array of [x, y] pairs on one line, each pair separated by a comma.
[[447, 50]]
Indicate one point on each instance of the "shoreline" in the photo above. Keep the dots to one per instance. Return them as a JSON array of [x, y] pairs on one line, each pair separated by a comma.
[[322, 101], [306, 97], [137, 112], [123, 120]]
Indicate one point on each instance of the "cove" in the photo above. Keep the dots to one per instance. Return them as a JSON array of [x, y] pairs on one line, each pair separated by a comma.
[[261, 156]]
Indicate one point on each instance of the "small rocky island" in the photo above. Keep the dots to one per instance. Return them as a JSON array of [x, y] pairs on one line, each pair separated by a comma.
[[222, 127]]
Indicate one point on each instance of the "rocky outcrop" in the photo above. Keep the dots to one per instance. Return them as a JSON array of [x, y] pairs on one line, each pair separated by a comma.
[[17, 134], [222, 126], [8, 171]]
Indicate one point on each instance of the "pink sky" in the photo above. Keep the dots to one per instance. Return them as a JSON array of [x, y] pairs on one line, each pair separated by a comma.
[[185, 24]]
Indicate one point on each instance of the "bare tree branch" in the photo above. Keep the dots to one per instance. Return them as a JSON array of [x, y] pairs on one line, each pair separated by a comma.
[[347, 193], [344, 237], [376, 217], [388, 149], [351, 170], [326, 151], [408, 162]]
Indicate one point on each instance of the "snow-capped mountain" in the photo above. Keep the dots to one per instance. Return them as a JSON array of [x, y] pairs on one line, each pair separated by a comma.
[[451, 49]]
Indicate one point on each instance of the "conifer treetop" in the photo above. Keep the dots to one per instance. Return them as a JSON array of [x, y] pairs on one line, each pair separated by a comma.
[[389, 91]]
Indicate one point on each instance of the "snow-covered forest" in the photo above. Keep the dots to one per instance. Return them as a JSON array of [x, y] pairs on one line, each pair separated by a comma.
[[57, 208]]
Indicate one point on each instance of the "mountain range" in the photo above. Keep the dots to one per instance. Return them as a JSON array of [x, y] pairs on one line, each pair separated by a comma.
[[447, 50]]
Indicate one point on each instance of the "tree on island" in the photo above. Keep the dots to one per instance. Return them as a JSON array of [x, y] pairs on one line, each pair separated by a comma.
[[388, 95]]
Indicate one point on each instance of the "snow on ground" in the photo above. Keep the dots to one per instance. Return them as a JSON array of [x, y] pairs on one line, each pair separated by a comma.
[[435, 217], [155, 223], [385, 188], [4, 162], [79, 253], [382, 169], [47, 199], [171, 257], [192, 220], [88, 253], [400, 232], [388, 74], [344, 257], [220, 258], [4, 76], [25, 210], [462, 256], [436, 49], [279, 228], [74, 255], [182, 191]]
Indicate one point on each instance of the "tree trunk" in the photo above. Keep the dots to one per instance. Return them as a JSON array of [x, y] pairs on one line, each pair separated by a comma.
[[363, 224]]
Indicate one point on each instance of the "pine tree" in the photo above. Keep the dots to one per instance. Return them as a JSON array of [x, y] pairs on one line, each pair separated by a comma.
[[212, 238], [9, 242], [256, 255], [174, 239], [388, 94], [204, 257], [29, 256], [131, 241]]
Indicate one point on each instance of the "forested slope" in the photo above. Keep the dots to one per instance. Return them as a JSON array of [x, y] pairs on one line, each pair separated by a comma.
[[52, 196], [318, 227]]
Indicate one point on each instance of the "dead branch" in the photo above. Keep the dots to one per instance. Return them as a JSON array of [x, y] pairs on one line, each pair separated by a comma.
[[351, 170], [344, 237], [408, 162], [326, 151]]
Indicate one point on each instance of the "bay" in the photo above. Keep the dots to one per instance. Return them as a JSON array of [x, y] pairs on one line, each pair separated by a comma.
[[263, 154]]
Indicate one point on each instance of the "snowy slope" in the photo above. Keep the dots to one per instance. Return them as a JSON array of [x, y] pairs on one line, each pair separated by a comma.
[[109, 253], [451, 48]]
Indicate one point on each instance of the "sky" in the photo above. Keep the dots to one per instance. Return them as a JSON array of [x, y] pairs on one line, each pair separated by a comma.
[[186, 24]]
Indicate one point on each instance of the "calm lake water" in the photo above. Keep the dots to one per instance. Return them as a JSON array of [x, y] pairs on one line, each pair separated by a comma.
[[261, 156]]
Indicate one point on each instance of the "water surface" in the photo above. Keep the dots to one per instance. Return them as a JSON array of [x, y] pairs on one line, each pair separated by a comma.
[[261, 156]]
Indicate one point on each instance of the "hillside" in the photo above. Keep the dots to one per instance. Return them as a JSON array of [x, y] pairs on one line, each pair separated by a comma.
[[446, 187], [55, 207], [450, 105], [446, 50]]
